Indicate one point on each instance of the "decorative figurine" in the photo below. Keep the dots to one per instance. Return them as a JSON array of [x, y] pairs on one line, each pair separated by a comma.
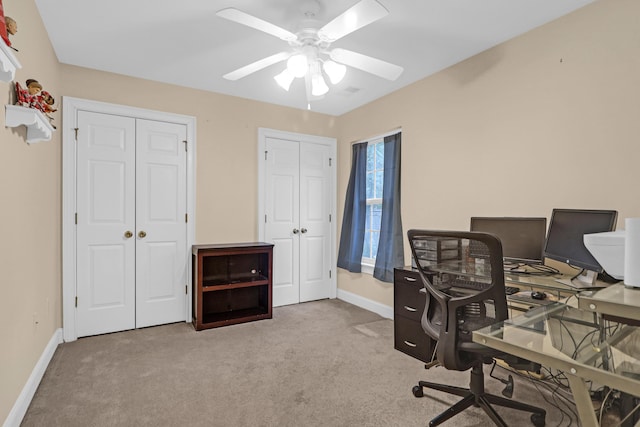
[[12, 25], [47, 106], [33, 87], [3, 26], [22, 96], [48, 102], [12, 28], [34, 97]]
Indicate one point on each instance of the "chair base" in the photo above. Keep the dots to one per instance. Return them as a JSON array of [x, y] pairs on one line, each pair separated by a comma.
[[476, 396]]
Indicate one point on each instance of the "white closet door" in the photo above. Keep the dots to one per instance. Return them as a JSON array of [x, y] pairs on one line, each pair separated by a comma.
[[161, 229], [282, 228], [131, 241], [315, 204], [298, 205], [105, 213]]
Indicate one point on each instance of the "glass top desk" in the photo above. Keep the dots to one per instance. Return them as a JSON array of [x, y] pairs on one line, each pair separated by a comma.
[[549, 283], [616, 300], [571, 340], [534, 280]]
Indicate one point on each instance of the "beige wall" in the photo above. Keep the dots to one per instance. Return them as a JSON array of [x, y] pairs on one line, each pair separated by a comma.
[[546, 120], [30, 256], [227, 130], [550, 119]]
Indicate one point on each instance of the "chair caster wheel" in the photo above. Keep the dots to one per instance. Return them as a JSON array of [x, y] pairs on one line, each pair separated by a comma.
[[537, 420], [417, 391]]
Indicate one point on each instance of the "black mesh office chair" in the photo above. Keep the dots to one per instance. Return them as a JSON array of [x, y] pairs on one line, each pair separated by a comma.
[[462, 273]]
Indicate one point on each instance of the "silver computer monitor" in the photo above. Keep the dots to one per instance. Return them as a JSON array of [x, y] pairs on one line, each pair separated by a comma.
[[565, 240]]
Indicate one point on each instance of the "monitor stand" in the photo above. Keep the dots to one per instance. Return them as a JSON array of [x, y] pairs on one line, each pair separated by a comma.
[[586, 279]]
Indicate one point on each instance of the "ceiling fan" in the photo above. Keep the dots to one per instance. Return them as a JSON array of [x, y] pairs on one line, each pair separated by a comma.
[[309, 49]]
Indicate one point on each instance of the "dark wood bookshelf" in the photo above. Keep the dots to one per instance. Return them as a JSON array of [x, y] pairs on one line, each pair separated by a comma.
[[232, 283]]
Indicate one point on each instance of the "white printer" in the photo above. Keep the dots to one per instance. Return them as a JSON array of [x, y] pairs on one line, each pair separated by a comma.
[[608, 249]]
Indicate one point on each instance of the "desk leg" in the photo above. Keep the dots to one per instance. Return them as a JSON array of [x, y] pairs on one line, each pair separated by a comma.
[[582, 398]]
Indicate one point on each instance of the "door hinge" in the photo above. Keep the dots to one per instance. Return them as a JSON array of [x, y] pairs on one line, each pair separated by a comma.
[[265, 218], [329, 217], [76, 219], [76, 130], [329, 161], [76, 302], [329, 274], [186, 217], [186, 289], [265, 154], [185, 145]]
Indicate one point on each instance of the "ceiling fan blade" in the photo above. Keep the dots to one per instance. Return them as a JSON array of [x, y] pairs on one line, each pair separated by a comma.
[[256, 66], [235, 15], [366, 63], [361, 14]]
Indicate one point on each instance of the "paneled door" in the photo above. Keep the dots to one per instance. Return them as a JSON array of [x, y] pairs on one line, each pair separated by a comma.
[[282, 217], [131, 250], [161, 245], [315, 203], [298, 208], [105, 247]]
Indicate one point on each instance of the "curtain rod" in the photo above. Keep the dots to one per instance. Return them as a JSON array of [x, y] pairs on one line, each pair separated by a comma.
[[389, 133]]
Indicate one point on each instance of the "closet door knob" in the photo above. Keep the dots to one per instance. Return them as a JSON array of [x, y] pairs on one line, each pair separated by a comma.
[[128, 234], [142, 234], [295, 231], [303, 230]]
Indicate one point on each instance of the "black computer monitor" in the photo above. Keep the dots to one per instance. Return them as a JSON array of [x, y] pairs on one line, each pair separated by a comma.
[[565, 240], [522, 237]]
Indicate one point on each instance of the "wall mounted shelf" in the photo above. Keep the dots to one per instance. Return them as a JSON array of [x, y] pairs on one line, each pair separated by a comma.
[[8, 63], [38, 127]]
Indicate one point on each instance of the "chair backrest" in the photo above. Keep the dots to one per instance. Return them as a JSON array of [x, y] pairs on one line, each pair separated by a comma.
[[463, 274]]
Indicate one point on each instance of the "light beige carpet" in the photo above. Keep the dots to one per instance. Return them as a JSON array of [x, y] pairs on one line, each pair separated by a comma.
[[325, 363]]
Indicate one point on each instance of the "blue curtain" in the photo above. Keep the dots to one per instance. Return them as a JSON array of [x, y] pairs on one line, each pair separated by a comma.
[[390, 249], [353, 220]]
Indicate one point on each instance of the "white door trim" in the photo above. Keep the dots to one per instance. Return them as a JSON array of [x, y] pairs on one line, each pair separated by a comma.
[[71, 106], [263, 134]]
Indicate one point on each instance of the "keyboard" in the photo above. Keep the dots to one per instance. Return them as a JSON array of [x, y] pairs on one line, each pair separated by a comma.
[[481, 286], [469, 284]]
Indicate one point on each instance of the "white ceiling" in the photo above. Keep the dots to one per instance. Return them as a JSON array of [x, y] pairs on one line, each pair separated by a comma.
[[185, 43]]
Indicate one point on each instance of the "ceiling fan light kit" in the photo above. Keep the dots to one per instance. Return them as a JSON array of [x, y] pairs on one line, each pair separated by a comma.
[[298, 65], [334, 70], [301, 64], [318, 85], [284, 79], [311, 54]]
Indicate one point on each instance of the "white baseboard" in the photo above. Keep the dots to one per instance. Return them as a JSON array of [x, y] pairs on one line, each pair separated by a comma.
[[362, 302], [24, 400]]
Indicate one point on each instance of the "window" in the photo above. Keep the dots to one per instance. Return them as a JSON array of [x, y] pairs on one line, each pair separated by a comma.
[[374, 182], [371, 240]]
